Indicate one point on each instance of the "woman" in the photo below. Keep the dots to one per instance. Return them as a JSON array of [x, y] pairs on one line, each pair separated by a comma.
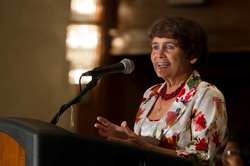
[[237, 151], [183, 116]]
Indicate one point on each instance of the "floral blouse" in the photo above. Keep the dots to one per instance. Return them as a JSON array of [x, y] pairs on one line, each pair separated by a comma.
[[195, 126]]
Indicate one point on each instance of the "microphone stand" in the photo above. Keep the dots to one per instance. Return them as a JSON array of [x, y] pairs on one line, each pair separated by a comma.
[[77, 99]]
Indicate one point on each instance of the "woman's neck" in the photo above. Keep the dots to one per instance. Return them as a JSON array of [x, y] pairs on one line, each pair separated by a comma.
[[175, 83]]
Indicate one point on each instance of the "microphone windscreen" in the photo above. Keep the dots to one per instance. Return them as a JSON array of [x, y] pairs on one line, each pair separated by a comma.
[[129, 66]]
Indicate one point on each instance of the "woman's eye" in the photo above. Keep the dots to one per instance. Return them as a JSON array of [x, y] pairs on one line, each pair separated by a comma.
[[155, 47], [230, 153], [170, 47]]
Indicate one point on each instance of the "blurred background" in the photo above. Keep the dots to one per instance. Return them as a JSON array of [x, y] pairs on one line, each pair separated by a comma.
[[44, 45]]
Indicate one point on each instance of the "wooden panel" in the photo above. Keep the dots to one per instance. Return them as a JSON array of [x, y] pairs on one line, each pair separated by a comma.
[[11, 152]]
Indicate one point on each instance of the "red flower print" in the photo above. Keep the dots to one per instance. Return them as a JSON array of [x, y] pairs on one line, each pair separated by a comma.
[[182, 92], [218, 105], [216, 138], [144, 99], [189, 94], [200, 122], [169, 143], [202, 145], [184, 155], [170, 119], [139, 113]]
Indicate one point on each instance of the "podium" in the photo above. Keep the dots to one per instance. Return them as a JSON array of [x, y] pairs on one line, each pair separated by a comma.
[[30, 142]]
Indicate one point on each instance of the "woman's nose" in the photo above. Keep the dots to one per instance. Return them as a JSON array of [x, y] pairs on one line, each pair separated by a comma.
[[161, 53]]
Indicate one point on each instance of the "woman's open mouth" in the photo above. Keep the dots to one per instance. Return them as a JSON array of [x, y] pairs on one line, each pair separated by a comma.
[[163, 64]]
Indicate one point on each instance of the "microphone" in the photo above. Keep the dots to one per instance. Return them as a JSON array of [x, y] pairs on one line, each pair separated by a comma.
[[126, 66]]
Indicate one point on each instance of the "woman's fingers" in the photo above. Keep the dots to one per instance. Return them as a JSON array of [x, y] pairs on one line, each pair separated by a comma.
[[108, 129], [103, 120], [121, 134], [127, 130], [101, 127]]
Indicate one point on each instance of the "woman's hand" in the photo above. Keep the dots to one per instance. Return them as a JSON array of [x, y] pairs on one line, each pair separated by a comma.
[[121, 134], [133, 139], [110, 130]]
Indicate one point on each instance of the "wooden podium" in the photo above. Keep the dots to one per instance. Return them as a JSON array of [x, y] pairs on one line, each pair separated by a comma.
[[30, 142]]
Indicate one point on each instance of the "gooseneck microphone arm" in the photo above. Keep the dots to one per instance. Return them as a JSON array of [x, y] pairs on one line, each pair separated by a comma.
[[78, 98], [126, 66]]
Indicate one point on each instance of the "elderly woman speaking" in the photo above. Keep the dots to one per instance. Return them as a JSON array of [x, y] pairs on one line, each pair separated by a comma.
[[183, 116]]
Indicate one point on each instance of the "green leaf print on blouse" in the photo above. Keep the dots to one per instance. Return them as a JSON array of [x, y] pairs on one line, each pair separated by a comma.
[[154, 134], [193, 81]]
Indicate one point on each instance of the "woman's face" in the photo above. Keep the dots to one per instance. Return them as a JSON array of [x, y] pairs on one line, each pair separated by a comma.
[[232, 157], [169, 60]]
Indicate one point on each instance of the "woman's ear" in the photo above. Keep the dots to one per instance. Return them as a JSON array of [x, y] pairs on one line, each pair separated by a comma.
[[193, 61]]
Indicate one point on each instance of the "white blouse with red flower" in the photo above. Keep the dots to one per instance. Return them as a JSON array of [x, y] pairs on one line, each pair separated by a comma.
[[195, 126]]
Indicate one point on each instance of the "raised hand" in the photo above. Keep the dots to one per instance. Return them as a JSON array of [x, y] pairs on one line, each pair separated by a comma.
[[133, 139], [121, 134], [110, 130]]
